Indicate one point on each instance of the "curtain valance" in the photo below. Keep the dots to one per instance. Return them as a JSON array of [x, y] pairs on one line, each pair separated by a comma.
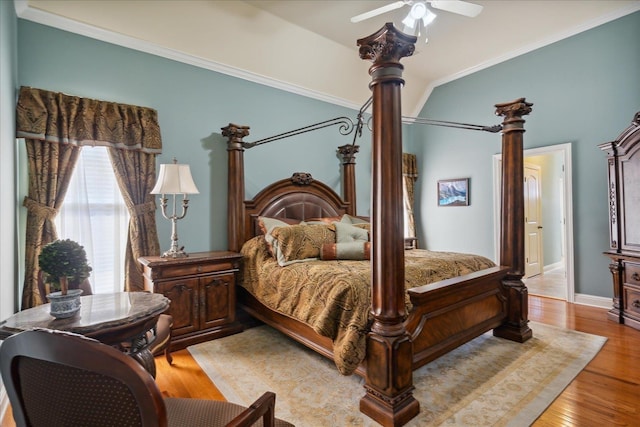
[[57, 117]]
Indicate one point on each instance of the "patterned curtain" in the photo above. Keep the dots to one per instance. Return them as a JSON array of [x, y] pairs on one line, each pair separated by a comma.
[[136, 174], [55, 127], [55, 163], [410, 176]]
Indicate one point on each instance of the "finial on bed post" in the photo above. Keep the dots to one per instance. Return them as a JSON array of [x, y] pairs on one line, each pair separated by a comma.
[[516, 326], [389, 382], [348, 154], [235, 185]]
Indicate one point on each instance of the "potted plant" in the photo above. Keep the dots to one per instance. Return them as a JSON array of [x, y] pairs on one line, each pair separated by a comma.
[[65, 267]]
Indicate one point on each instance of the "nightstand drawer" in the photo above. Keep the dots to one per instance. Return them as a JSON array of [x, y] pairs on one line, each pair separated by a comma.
[[632, 301], [191, 270], [632, 273]]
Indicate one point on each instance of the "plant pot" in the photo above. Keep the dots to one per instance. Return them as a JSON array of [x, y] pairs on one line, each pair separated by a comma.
[[63, 306]]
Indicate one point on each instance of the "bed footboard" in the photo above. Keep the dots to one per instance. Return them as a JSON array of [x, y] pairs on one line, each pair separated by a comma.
[[451, 312]]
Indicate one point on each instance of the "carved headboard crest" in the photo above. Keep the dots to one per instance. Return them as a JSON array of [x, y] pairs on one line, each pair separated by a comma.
[[301, 178]]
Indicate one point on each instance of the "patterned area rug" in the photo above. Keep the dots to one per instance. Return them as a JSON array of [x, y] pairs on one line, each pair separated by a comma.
[[486, 382]]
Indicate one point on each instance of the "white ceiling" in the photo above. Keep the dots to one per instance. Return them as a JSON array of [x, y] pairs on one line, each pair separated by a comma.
[[309, 47]]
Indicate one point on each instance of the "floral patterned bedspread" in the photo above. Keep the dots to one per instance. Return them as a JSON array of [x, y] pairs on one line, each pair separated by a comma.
[[334, 297]]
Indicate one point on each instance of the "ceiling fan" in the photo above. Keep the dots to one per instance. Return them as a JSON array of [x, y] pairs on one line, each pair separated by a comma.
[[455, 6], [421, 13]]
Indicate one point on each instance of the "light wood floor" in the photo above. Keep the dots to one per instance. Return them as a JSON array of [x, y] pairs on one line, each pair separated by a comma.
[[551, 284], [605, 393]]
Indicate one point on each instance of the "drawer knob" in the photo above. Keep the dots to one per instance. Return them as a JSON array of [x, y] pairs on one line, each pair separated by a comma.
[[635, 276], [636, 304]]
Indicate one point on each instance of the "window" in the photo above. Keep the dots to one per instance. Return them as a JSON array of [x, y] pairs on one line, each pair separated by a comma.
[[94, 214]]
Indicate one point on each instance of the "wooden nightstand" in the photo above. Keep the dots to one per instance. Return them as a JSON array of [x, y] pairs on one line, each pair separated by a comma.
[[201, 288]]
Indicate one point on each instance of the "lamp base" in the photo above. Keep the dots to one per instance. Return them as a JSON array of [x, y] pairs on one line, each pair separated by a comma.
[[174, 253]]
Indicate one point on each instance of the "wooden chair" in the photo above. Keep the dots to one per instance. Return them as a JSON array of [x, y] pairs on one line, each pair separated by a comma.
[[58, 378], [162, 341]]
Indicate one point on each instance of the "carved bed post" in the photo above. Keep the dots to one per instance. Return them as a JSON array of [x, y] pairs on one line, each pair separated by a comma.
[[235, 185], [389, 382], [516, 326], [348, 153]]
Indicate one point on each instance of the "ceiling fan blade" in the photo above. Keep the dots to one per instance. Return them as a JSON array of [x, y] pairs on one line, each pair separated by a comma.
[[457, 6], [379, 11]]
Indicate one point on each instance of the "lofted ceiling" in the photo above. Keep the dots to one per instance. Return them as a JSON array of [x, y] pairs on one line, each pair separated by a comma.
[[309, 47]]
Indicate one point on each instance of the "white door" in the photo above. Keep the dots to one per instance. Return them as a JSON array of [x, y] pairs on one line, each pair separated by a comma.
[[532, 221]]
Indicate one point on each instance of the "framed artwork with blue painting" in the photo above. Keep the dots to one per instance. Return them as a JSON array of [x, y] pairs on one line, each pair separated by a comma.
[[453, 192]]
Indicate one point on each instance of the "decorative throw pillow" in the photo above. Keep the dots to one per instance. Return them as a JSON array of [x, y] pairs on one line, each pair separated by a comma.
[[350, 233], [364, 226], [266, 226], [357, 250], [350, 219], [299, 243]]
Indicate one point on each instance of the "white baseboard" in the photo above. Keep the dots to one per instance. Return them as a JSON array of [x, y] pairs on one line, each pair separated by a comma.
[[595, 301]]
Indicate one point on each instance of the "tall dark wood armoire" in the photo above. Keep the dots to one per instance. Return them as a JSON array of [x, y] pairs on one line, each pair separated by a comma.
[[623, 157]]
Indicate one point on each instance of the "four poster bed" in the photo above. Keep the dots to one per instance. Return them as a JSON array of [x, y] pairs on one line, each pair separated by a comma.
[[411, 317]]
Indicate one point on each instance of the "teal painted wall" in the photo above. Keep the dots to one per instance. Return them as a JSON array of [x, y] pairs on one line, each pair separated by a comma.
[[585, 91], [8, 84], [193, 104]]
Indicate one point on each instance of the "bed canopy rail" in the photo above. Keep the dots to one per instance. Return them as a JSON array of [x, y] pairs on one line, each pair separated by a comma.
[[346, 126], [444, 123]]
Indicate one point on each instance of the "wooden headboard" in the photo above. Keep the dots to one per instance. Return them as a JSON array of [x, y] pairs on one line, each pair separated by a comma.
[[300, 197]]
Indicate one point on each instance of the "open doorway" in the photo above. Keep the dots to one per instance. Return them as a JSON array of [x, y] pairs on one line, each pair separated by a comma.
[[555, 278]]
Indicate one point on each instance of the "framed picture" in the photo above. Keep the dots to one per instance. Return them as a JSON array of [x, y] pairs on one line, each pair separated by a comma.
[[453, 192]]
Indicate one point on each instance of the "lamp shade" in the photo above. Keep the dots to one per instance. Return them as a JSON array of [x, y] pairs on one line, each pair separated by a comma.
[[175, 179]]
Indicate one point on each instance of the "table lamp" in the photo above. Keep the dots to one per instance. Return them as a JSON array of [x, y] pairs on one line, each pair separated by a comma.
[[174, 179]]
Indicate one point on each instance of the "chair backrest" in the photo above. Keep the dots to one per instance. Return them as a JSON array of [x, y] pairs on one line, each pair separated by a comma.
[[59, 378]]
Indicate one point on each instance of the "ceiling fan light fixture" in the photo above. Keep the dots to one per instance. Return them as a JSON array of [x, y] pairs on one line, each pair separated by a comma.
[[428, 18], [409, 22], [419, 11]]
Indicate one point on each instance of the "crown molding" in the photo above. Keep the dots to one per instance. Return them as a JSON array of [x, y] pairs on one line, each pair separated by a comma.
[[24, 11]]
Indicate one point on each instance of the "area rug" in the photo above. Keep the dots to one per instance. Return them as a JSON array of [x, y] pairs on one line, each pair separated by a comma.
[[487, 382]]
